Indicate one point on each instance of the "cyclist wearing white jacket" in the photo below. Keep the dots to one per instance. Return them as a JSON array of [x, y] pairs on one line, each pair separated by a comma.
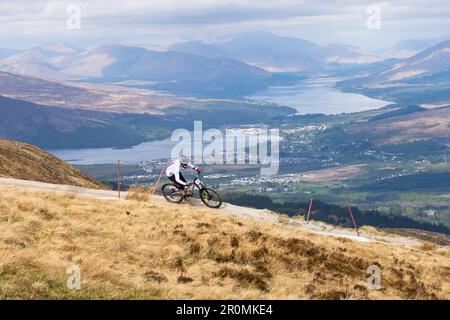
[[174, 174]]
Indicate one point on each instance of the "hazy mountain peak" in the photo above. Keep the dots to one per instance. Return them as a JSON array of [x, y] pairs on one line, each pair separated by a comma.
[[199, 48], [345, 54], [410, 47], [41, 61], [278, 53], [431, 61], [117, 49], [266, 39], [434, 57], [56, 48]]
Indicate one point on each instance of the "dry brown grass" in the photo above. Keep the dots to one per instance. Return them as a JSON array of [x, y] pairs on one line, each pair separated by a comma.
[[131, 249], [431, 124], [139, 193], [427, 246], [24, 161]]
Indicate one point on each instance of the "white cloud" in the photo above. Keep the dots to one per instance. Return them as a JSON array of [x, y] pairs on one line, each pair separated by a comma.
[[324, 21]]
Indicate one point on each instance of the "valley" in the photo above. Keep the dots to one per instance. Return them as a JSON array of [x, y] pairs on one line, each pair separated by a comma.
[[352, 123]]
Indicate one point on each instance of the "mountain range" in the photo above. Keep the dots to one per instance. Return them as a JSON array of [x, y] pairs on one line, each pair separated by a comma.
[[410, 47], [234, 67], [278, 54], [421, 79], [119, 95], [429, 61], [172, 71], [43, 61], [185, 60]]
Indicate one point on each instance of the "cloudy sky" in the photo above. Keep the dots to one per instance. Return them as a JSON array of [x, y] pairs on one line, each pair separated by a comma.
[[25, 23]]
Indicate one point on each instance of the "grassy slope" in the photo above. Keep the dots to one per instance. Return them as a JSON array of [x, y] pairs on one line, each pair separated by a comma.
[[427, 125], [134, 249], [24, 161]]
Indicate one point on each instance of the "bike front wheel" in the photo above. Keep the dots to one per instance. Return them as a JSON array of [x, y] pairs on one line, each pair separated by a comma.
[[210, 198], [171, 193]]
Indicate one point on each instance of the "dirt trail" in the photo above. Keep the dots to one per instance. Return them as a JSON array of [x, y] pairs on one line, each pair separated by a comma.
[[227, 209], [48, 187]]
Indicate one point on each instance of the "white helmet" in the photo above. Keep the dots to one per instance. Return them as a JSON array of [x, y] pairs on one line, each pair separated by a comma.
[[184, 161]]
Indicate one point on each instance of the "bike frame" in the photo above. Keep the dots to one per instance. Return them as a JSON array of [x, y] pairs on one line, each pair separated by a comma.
[[196, 183]]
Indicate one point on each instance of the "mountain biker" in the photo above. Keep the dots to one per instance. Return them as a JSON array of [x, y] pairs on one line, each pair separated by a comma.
[[174, 174]]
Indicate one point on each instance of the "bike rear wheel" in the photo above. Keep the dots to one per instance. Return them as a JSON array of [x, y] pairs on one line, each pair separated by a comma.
[[210, 198], [171, 193]]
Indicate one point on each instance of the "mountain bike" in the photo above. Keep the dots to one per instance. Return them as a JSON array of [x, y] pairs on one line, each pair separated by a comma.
[[208, 196]]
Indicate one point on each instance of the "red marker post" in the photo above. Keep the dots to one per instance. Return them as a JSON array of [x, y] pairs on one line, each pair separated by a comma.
[[309, 209], [157, 182], [118, 177], [351, 214]]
